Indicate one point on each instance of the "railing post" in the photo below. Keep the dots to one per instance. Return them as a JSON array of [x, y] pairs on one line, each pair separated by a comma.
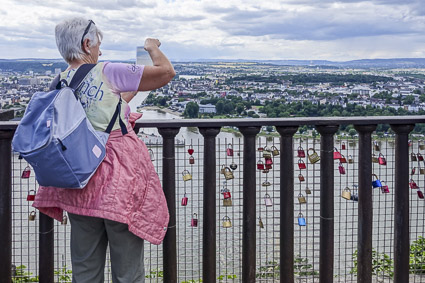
[[287, 203], [365, 209], [169, 186], [401, 204], [326, 202], [249, 204], [46, 256], [209, 210], [6, 206]]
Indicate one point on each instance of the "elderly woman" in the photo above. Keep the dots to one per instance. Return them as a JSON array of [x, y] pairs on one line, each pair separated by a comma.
[[123, 203]]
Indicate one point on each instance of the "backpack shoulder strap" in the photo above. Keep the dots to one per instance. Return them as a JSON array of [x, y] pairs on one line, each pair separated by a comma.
[[80, 74]]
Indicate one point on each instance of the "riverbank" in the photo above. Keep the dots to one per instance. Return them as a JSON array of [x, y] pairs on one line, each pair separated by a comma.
[[159, 109]]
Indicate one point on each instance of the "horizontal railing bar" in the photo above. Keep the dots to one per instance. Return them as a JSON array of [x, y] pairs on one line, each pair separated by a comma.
[[255, 122]]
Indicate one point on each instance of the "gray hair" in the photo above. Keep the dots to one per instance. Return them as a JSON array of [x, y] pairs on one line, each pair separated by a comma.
[[68, 37]]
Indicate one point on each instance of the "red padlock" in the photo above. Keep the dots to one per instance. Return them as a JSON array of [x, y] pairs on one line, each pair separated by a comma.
[[341, 168], [301, 177], [301, 152], [184, 200], [420, 194], [420, 157], [343, 145], [385, 189], [268, 166], [190, 150], [269, 161], [301, 164], [194, 222], [413, 171], [260, 149], [343, 159], [260, 165], [31, 195], [337, 154], [226, 195], [381, 159], [26, 173], [229, 150], [413, 185], [191, 160]]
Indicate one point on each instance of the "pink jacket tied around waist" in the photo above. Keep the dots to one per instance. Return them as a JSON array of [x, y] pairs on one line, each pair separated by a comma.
[[125, 188]]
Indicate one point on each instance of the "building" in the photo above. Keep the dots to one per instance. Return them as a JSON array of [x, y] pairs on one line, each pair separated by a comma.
[[208, 108]]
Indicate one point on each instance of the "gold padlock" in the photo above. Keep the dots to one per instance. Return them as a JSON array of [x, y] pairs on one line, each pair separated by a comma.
[[421, 145], [275, 151], [228, 174], [413, 157], [31, 216], [186, 175], [313, 157], [350, 159], [222, 169], [226, 222], [227, 202], [346, 193], [260, 223], [376, 146], [64, 220], [422, 171], [266, 152], [374, 159], [301, 199], [307, 191]]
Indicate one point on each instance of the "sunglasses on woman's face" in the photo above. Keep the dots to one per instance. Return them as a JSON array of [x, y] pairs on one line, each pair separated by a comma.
[[86, 31]]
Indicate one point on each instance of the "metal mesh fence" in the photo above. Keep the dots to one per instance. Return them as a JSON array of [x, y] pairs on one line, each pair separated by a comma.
[[189, 160]]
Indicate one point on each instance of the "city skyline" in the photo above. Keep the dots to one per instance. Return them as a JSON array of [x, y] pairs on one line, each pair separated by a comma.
[[235, 29]]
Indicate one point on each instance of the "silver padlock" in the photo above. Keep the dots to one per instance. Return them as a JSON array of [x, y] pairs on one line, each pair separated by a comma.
[[268, 200]]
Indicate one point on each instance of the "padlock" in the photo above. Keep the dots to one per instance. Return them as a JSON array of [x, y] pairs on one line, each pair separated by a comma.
[[268, 200], [260, 223], [354, 197], [233, 166], [343, 146], [226, 222], [260, 165], [186, 175], [384, 188], [190, 150], [184, 200], [31, 216], [26, 173], [222, 170], [267, 153], [381, 159], [301, 164], [413, 157], [266, 184], [350, 159], [413, 185], [420, 157], [376, 183], [64, 220], [301, 152], [376, 146], [194, 222], [301, 177], [268, 166], [410, 143], [421, 170], [31, 195], [374, 158], [346, 193], [269, 161], [227, 202], [337, 154], [191, 160], [413, 171], [313, 157], [420, 194], [229, 149], [301, 198], [228, 174], [226, 194], [151, 154], [343, 159], [275, 151], [341, 169], [265, 171], [260, 149], [307, 191], [421, 145], [301, 220]]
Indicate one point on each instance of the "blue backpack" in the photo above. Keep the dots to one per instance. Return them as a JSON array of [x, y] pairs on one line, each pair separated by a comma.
[[56, 138]]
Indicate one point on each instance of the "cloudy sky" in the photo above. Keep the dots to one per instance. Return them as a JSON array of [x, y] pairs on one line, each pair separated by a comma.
[[225, 29]]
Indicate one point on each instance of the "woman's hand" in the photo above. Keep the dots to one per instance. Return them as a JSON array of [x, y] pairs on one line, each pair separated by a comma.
[[151, 43]]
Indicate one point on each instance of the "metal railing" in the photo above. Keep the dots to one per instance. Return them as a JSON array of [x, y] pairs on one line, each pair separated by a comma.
[[209, 129]]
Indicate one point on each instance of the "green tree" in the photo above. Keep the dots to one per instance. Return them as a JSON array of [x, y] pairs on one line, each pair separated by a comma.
[[219, 107], [192, 110]]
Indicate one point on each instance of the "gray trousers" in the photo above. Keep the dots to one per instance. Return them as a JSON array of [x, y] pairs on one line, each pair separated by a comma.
[[89, 239]]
